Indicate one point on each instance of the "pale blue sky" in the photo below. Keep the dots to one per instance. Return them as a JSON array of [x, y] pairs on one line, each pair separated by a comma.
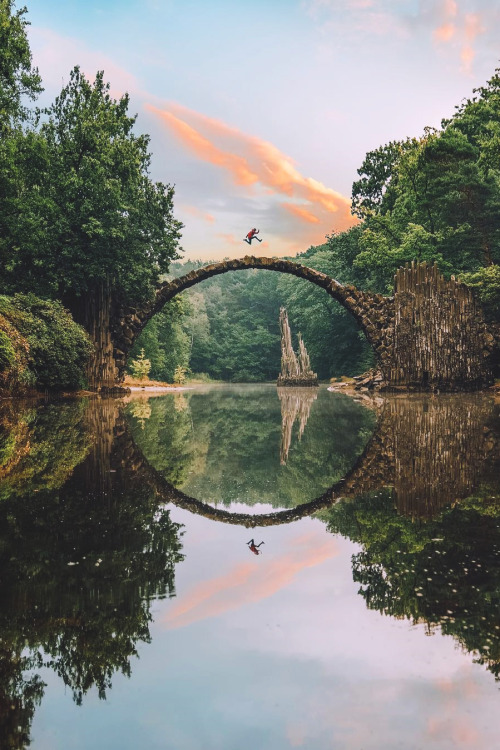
[[261, 112]]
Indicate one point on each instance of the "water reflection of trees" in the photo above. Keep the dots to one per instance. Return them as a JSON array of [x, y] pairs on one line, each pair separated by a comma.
[[440, 568], [226, 448], [85, 543], [84, 549]]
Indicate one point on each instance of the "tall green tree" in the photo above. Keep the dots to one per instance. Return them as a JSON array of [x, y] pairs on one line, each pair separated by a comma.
[[110, 223], [90, 226], [18, 78]]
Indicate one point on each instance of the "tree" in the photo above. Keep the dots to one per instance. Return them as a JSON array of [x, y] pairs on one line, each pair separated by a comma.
[[91, 227], [431, 200], [18, 79], [141, 366]]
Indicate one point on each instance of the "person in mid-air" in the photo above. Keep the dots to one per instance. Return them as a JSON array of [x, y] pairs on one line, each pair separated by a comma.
[[252, 235], [254, 547]]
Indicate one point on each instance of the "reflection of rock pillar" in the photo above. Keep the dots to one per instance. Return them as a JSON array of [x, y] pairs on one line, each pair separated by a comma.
[[438, 449], [295, 403]]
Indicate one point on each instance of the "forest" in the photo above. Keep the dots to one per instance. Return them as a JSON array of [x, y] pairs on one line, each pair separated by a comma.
[[83, 227]]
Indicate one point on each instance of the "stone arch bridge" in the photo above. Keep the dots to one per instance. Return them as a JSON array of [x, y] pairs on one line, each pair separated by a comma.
[[430, 334]]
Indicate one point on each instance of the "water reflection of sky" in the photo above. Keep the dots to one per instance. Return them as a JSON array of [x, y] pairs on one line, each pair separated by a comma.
[[278, 651]]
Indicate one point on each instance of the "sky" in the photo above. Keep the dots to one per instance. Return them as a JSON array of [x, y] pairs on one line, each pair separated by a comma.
[[260, 113]]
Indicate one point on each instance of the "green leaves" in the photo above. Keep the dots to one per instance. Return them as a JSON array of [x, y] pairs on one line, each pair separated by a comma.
[[17, 77], [54, 347], [435, 198], [79, 206]]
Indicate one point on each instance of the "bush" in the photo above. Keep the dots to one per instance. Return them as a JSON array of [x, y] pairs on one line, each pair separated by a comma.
[[56, 349], [140, 366], [7, 353], [486, 283]]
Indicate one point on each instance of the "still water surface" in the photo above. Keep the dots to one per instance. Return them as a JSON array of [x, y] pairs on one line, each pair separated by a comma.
[[134, 613]]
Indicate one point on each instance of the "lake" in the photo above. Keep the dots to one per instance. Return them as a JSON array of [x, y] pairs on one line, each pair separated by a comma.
[[250, 567]]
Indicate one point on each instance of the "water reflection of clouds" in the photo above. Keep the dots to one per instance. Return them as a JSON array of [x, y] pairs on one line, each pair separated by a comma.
[[250, 581], [327, 673]]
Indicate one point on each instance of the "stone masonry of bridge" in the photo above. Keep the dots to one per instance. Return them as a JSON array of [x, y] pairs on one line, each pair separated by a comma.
[[430, 334]]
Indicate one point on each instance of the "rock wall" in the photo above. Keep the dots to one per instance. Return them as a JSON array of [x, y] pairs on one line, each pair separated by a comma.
[[440, 337]]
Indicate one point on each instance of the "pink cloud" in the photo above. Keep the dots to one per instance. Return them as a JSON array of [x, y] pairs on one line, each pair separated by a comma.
[[472, 28], [204, 149], [194, 211], [257, 164], [301, 212], [445, 32], [230, 239], [249, 582], [462, 28], [450, 8]]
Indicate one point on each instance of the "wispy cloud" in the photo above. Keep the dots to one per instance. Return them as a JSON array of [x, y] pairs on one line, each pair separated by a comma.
[[446, 22], [249, 582], [473, 27], [259, 168], [198, 213], [459, 27]]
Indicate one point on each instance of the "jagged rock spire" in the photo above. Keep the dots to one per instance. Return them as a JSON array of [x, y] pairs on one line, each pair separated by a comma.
[[294, 370]]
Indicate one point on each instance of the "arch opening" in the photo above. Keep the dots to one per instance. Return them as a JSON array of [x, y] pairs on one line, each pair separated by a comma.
[[372, 313]]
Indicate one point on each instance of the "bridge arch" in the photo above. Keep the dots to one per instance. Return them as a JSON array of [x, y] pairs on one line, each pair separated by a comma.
[[431, 335], [372, 312]]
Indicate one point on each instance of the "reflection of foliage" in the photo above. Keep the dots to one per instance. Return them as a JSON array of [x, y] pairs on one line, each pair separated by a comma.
[[445, 572], [77, 574], [140, 410], [19, 697], [44, 444], [226, 446]]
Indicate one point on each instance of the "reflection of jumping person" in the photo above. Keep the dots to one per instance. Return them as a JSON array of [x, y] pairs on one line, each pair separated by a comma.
[[252, 235], [254, 547]]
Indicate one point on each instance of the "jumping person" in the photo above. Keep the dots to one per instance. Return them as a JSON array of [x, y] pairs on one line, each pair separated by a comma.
[[252, 235], [254, 547]]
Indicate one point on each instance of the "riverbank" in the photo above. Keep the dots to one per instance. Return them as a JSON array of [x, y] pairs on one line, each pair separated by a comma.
[[152, 386]]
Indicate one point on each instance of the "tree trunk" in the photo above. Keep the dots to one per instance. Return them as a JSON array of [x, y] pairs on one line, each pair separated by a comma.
[[93, 312]]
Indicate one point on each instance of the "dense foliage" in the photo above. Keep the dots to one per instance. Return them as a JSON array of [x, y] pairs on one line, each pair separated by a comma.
[[18, 79], [84, 210], [81, 221], [40, 345]]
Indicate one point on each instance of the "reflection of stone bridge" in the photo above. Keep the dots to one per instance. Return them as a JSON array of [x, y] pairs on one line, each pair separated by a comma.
[[431, 333], [431, 451]]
